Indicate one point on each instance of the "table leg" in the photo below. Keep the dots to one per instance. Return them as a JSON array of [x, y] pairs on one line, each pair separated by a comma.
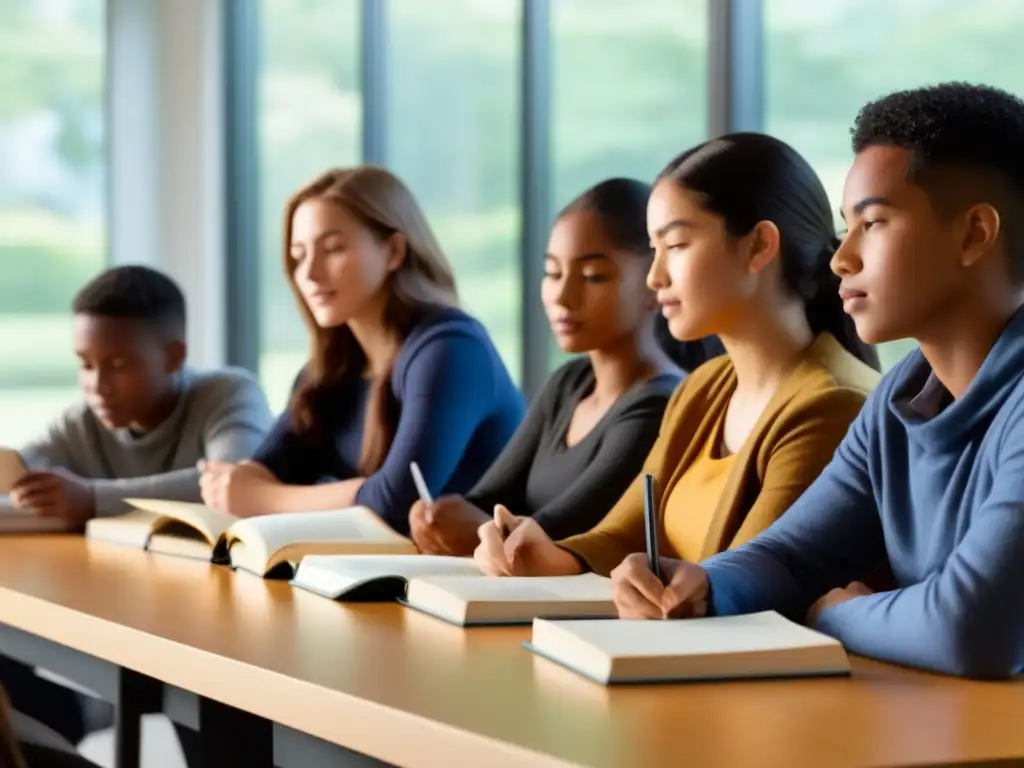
[[136, 696], [231, 737]]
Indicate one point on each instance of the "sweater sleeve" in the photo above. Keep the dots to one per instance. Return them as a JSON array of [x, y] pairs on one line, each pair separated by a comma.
[[232, 420], [292, 458], [624, 447], [506, 479], [962, 618], [621, 531], [448, 389], [56, 447]]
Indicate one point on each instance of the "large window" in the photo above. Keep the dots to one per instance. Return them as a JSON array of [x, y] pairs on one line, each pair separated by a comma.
[[453, 132], [629, 88], [824, 60], [310, 113], [52, 203], [629, 91]]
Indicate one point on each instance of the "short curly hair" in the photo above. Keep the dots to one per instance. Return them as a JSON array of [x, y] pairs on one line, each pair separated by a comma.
[[134, 293], [966, 144]]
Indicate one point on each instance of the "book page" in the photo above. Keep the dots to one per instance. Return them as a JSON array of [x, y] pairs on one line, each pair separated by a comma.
[[180, 540], [363, 567], [11, 469], [584, 588], [266, 534], [619, 638], [132, 528], [209, 522], [336, 574]]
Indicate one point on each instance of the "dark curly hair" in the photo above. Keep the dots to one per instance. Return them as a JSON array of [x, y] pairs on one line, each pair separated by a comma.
[[134, 293], [966, 145]]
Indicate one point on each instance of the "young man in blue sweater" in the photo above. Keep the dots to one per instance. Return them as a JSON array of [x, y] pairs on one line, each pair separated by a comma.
[[932, 472]]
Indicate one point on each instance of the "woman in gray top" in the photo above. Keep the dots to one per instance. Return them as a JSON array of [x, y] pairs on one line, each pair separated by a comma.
[[587, 433]]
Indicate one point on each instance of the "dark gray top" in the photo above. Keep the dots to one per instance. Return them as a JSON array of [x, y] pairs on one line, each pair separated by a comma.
[[568, 490]]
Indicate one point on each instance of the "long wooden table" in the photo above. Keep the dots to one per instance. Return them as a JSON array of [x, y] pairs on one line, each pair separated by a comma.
[[412, 691]]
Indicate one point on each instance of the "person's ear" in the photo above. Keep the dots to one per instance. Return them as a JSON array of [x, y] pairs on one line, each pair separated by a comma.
[[398, 248], [981, 232], [762, 246], [175, 353]]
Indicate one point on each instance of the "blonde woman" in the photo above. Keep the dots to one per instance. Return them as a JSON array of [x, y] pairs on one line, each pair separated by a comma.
[[397, 372]]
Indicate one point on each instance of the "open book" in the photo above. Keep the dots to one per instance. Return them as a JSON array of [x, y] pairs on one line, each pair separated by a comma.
[[267, 545], [752, 646], [453, 589], [368, 578]]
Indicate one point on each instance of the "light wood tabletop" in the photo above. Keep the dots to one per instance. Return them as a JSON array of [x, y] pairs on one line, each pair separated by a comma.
[[413, 691]]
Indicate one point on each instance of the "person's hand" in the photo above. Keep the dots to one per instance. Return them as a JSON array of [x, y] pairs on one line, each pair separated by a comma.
[[639, 595], [836, 596], [242, 490], [55, 493], [518, 546], [446, 527]]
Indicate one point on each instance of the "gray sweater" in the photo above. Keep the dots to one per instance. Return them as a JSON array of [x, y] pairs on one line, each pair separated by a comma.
[[221, 415]]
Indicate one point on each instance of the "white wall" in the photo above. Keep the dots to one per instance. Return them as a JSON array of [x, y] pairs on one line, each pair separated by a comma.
[[165, 149]]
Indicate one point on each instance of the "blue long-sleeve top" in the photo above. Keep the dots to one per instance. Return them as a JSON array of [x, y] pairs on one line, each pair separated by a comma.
[[936, 484], [458, 407]]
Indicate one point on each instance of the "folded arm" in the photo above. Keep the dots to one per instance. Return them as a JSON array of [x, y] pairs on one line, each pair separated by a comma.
[[959, 620], [963, 619]]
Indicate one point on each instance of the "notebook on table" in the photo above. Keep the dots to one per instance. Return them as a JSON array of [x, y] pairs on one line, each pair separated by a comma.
[[489, 600], [759, 645]]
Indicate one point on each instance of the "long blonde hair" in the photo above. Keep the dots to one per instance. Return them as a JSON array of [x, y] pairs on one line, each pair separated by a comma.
[[423, 282]]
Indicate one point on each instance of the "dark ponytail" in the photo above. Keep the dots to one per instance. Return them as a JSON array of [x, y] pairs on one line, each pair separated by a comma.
[[620, 204], [747, 178]]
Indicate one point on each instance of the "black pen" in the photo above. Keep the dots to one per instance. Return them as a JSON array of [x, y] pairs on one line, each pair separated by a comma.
[[651, 527]]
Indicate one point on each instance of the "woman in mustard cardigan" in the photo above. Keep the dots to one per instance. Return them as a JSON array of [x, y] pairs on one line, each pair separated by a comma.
[[743, 236]]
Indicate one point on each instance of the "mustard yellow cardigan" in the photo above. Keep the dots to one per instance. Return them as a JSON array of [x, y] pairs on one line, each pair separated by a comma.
[[790, 445]]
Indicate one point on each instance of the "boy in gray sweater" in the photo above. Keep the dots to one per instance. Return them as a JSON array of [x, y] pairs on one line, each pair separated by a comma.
[[146, 419], [145, 423]]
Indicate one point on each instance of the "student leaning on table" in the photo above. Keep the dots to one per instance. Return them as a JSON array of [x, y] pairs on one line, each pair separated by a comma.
[[144, 420], [397, 372], [145, 417], [743, 235], [932, 472], [586, 434]]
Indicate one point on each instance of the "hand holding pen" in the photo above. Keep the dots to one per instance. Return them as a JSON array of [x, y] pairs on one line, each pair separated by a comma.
[[648, 586], [445, 525]]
